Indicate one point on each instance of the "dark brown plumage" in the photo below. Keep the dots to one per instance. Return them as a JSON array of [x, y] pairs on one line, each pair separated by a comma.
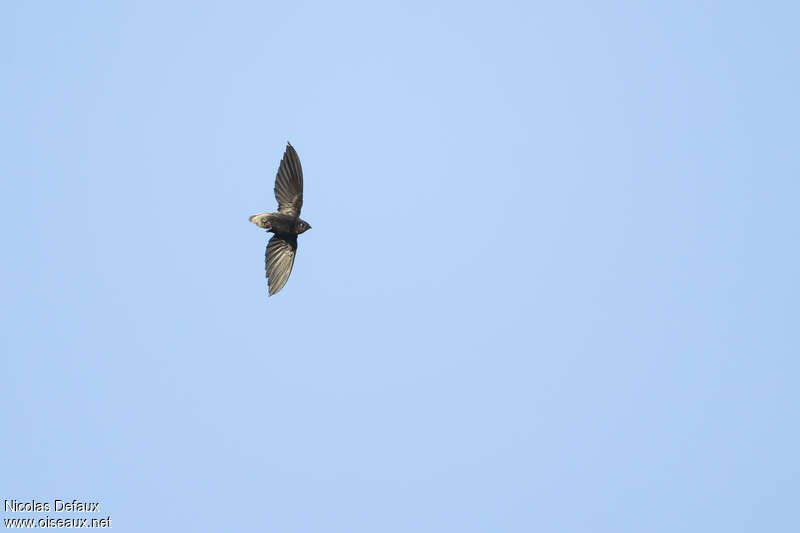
[[286, 224]]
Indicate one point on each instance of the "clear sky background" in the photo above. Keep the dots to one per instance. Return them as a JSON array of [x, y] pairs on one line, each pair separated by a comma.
[[551, 285]]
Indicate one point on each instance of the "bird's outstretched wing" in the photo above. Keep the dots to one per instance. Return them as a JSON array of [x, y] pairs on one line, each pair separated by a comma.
[[289, 184], [279, 260]]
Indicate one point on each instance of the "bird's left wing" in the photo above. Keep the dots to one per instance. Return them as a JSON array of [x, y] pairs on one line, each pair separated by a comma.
[[279, 260], [289, 184]]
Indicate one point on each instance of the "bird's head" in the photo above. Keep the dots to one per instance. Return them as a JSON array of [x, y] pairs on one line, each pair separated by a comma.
[[302, 226]]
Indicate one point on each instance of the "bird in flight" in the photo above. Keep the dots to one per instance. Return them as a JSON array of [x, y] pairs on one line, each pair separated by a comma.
[[286, 224]]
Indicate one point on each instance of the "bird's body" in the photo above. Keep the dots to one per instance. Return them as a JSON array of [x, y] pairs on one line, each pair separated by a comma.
[[286, 224], [280, 223]]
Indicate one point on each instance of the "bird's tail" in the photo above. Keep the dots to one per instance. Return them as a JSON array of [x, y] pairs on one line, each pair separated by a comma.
[[262, 220]]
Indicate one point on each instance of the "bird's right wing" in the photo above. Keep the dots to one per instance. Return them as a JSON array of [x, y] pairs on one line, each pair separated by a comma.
[[289, 184], [279, 260]]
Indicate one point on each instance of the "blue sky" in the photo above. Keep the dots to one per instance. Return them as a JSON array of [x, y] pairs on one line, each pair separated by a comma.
[[551, 285]]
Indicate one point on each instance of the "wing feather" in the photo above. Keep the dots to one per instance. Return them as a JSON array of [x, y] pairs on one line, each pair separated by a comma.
[[289, 183], [279, 260]]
